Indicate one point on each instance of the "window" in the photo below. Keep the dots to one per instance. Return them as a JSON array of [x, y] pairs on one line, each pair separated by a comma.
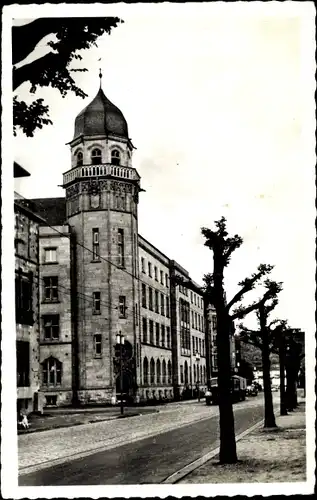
[[203, 348], [150, 299], [23, 363], [155, 273], [195, 320], [152, 371], [193, 324], [182, 373], [122, 306], [199, 346], [166, 280], [51, 326], [158, 372], [186, 372], [50, 400], [52, 372], [156, 301], [51, 288], [143, 264], [163, 335], [163, 372], [95, 244], [161, 277], [157, 334], [96, 157], [169, 372], [195, 376], [143, 295], [97, 344], [151, 328], [96, 302], [50, 255], [193, 344], [120, 247], [115, 157], [167, 307], [168, 337], [204, 375], [191, 297], [23, 298], [145, 371], [162, 305], [80, 159], [144, 327], [150, 269]]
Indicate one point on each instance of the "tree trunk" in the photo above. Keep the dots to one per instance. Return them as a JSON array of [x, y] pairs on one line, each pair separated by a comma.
[[283, 410], [228, 451], [269, 418]]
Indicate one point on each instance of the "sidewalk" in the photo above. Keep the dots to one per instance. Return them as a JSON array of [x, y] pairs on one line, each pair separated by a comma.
[[70, 417], [265, 456]]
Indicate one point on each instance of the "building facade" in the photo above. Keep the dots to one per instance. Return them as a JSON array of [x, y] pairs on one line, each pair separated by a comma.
[[26, 243], [99, 278]]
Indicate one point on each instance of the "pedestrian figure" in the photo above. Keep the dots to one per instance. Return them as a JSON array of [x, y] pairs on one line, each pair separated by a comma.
[[23, 421]]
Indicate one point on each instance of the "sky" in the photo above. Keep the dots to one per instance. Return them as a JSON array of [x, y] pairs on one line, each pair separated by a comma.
[[219, 100]]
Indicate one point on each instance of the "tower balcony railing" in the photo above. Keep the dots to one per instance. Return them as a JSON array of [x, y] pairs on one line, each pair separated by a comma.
[[101, 170]]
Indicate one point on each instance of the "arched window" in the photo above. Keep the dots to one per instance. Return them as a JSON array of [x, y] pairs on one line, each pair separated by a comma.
[[115, 157], [152, 371], [96, 156], [186, 372], [52, 372], [163, 372], [169, 373], [145, 371], [80, 159], [158, 371]]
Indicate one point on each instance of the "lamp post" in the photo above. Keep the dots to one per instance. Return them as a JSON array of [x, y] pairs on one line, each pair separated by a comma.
[[198, 361], [120, 341]]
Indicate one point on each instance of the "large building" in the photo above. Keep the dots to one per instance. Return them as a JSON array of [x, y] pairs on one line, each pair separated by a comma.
[[26, 244], [99, 278]]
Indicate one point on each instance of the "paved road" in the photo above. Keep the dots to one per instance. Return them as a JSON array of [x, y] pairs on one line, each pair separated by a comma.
[[148, 460]]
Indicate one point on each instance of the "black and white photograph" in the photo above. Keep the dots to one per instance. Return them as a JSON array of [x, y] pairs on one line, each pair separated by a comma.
[[158, 249]]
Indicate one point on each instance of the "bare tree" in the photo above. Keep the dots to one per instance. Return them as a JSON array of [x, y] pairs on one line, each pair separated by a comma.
[[223, 247], [264, 339]]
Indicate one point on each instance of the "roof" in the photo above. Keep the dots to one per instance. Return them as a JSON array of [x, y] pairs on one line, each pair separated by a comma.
[[19, 171], [52, 210], [101, 117]]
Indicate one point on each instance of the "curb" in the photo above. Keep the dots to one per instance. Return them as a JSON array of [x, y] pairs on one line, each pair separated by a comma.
[[180, 474]]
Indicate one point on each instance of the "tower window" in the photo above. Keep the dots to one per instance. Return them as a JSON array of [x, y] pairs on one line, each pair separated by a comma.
[[51, 326], [96, 156], [95, 244], [115, 157], [97, 344], [96, 302], [80, 159], [122, 306], [52, 372], [120, 248]]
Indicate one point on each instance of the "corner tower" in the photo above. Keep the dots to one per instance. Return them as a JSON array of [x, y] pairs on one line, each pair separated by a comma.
[[102, 192]]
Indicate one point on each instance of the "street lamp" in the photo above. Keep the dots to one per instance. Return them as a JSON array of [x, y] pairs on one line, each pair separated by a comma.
[[198, 361], [120, 341]]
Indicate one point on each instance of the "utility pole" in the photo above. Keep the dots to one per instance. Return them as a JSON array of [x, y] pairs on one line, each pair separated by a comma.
[[120, 341]]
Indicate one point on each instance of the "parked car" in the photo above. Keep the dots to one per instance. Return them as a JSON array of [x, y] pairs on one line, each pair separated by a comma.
[[238, 390], [252, 390]]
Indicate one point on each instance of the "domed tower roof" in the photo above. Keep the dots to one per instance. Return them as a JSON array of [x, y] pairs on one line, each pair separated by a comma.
[[101, 117]]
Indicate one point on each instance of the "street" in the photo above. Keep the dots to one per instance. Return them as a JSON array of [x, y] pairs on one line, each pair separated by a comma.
[[148, 460]]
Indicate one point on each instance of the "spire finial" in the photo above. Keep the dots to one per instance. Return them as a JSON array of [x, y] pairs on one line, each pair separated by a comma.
[[100, 74]]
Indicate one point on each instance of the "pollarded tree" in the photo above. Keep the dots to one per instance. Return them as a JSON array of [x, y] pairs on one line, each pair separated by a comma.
[[73, 34], [265, 339], [223, 247]]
